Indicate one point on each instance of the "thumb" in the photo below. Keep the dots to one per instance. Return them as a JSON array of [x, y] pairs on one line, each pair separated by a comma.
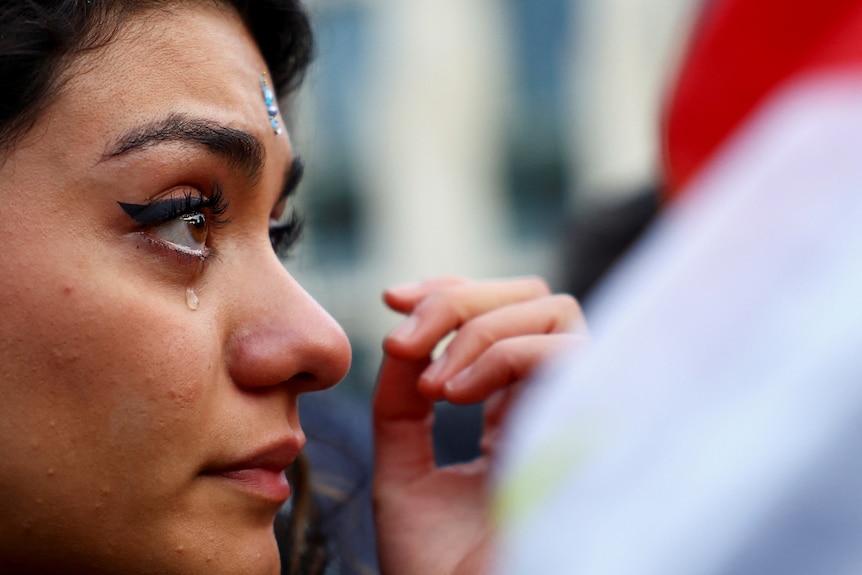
[[403, 448]]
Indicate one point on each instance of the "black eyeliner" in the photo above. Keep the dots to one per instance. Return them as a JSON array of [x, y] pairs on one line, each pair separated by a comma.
[[163, 211]]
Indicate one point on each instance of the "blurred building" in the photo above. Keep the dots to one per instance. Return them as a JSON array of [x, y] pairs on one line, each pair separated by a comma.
[[457, 137]]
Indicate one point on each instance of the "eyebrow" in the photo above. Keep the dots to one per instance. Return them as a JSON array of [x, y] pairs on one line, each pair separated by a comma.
[[241, 149]]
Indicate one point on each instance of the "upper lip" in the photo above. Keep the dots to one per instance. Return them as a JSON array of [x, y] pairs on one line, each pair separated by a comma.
[[274, 456]]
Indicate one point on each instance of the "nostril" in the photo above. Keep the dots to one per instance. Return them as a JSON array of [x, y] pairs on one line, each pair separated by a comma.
[[306, 382]]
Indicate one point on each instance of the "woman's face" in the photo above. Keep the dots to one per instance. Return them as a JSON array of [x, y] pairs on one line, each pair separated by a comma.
[[137, 433]]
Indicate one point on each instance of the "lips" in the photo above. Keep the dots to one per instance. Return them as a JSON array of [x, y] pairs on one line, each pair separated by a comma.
[[260, 474]]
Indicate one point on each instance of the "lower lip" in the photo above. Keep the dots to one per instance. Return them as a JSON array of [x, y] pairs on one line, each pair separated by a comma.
[[264, 483]]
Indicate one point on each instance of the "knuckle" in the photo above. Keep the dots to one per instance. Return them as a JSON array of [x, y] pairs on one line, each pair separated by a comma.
[[452, 280], [439, 309], [537, 285], [430, 304], [449, 300], [502, 352], [567, 302], [477, 334]]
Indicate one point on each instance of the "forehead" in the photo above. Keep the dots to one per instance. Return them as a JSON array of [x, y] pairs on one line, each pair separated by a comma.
[[198, 60]]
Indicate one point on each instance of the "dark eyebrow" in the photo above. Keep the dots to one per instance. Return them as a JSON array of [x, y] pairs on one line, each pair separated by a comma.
[[241, 149]]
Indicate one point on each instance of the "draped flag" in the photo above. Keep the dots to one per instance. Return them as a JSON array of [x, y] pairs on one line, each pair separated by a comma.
[[714, 426]]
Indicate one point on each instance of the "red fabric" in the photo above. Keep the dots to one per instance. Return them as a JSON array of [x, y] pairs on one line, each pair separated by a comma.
[[740, 52]]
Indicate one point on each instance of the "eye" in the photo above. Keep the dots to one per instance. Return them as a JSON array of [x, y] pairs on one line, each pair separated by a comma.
[[284, 235], [187, 233], [285, 230], [181, 223]]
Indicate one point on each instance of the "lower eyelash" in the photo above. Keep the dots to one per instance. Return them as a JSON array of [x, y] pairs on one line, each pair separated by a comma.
[[182, 256]]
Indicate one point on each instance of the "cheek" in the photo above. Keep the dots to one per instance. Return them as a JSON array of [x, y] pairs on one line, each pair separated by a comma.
[[104, 382], [146, 361], [94, 350], [103, 389]]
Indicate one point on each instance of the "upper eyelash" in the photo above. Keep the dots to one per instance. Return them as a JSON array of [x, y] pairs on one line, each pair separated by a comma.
[[163, 211], [284, 236], [294, 176]]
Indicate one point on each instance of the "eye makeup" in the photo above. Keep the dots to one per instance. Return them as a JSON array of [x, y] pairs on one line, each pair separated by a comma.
[[284, 236], [286, 232], [293, 177], [163, 211], [181, 223]]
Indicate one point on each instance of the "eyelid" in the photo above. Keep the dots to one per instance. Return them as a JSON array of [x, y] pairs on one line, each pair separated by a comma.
[[163, 211]]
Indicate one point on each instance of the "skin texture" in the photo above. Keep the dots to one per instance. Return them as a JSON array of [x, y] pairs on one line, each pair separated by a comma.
[[433, 520], [117, 397]]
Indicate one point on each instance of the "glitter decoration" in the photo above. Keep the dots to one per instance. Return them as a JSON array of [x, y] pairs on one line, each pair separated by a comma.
[[271, 106]]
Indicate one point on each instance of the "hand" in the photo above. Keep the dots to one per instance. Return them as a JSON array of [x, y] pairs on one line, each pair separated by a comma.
[[434, 519]]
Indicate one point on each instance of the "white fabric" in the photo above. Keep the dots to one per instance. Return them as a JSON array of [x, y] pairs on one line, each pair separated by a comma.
[[715, 426]]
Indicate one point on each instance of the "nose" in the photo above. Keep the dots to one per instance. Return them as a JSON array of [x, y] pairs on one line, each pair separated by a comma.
[[282, 335]]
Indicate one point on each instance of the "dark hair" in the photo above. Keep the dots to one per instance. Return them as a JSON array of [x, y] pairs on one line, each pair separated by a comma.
[[39, 39]]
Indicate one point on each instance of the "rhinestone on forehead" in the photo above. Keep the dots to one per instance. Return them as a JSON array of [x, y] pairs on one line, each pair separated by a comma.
[[271, 106]]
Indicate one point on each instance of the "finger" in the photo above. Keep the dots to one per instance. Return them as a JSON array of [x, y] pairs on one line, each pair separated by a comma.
[[403, 418], [403, 298], [551, 314], [446, 309], [507, 362]]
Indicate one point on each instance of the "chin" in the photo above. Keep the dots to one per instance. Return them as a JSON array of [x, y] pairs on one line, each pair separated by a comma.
[[259, 558], [239, 554], [247, 554], [218, 530], [216, 542], [238, 548]]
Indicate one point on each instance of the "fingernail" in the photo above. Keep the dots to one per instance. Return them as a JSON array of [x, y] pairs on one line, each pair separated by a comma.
[[460, 381], [405, 329], [435, 369]]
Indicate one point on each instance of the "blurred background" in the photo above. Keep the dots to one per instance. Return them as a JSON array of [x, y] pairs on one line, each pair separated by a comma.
[[470, 137]]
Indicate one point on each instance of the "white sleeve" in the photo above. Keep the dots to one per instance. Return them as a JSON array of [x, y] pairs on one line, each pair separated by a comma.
[[715, 426]]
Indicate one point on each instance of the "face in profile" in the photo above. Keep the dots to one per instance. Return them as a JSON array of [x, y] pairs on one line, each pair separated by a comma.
[[152, 346]]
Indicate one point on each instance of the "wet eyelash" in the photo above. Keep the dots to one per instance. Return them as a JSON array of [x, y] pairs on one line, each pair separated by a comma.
[[163, 211], [284, 236]]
